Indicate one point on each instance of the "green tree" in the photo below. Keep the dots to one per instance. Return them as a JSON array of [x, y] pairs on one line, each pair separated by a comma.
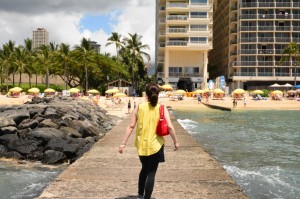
[[293, 54], [115, 39], [30, 57], [44, 58], [135, 49], [5, 55], [64, 56], [85, 54]]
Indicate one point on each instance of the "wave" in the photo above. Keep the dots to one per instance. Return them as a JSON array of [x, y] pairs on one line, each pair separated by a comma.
[[189, 125]]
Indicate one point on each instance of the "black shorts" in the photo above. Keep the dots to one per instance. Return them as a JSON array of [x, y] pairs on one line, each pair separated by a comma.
[[158, 156]]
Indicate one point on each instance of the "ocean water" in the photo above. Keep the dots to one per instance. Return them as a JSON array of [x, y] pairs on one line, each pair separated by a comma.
[[259, 149], [24, 181]]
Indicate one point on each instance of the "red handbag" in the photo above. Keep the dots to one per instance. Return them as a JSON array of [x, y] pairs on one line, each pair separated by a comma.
[[162, 126]]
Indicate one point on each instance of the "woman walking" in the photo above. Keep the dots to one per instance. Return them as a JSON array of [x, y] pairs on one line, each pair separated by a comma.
[[150, 146]]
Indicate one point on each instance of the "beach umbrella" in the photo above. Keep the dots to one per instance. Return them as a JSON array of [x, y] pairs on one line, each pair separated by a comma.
[[74, 90], [206, 90], [287, 85], [114, 90], [275, 85], [34, 90], [15, 89], [167, 87], [258, 92], [277, 92], [291, 92], [198, 91], [238, 91], [93, 91], [180, 92], [120, 95], [49, 90], [217, 90]]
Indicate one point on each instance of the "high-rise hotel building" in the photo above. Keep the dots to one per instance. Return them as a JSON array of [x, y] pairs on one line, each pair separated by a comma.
[[249, 37], [183, 39], [40, 37]]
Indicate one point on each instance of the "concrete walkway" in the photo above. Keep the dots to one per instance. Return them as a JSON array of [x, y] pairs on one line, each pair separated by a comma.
[[104, 173]]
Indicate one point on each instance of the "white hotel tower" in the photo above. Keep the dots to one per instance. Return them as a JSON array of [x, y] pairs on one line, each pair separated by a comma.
[[183, 39]]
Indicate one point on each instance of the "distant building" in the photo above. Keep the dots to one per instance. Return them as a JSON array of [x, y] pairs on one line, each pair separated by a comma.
[[40, 37], [95, 46], [249, 37], [183, 40]]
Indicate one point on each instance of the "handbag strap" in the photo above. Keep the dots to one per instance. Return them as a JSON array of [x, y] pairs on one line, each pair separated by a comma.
[[161, 112]]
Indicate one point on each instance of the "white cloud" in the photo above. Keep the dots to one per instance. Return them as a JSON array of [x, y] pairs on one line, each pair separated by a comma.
[[62, 20]]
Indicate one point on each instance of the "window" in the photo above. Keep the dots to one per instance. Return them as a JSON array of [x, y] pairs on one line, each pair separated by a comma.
[[198, 27], [198, 39], [198, 2], [198, 14]]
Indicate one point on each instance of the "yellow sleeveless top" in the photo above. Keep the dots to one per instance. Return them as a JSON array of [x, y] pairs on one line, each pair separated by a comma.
[[147, 141]]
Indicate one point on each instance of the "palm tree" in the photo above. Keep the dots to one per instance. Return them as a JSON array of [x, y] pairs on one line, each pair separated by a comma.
[[7, 50], [44, 57], [30, 57], [135, 48], [65, 56], [115, 39], [85, 53], [293, 52], [18, 61]]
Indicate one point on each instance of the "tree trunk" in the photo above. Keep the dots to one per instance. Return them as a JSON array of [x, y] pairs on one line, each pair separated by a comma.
[[86, 78], [14, 79], [6, 78], [36, 77], [65, 75], [20, 79], [47, 76]]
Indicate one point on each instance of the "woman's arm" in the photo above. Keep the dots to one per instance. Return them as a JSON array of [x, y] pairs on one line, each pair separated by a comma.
[[171, 128], [129, 130]]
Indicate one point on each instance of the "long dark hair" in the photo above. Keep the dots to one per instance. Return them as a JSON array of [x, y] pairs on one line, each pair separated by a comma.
[[152, 91]]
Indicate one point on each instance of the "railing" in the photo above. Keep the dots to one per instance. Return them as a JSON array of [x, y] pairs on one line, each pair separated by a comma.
[[265, 51], [233, 30], [248, 16], [266, 4], [177, 5], [162, 44], [279, 51], [265, 28], [162, 20], [278, 74], [233, 53], [179, 74], [247, 5], [198, 29], [177, 30], [177, 43], [162, 32], [249, 39], [233, 19], [198, 42], [248, 28], [233, 41], [265, 63], [283, 28], [296, 28], [198, 16], [177, 17], [283, 39], [268, 74], [199, 4], [283, 4], [243, 63], [284, 63], [243, 74], [265, 39], [248, 51], [296, 39]]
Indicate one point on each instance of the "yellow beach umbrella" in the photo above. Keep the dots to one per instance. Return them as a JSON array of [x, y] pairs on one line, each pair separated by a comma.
[[49, 90], [167, 87], [34, 90], [120, 95], [258, 92], [206, 90], [180, 92], [15, 89], [217, 90], [93, 91], [276, 92], [238, 91], [198, 91], [114, 90], [74, 90]]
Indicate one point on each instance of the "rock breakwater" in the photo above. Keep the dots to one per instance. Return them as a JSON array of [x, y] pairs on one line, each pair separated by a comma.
[[51, 130]]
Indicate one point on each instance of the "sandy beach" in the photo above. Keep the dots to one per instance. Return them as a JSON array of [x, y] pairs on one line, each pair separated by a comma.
[[188, 103]]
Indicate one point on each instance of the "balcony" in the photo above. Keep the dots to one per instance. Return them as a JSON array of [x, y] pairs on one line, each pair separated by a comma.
[[248, 16], [249, 39], [249, 5], [265, 39], [177, 30], [248, 28], [266, 4], [179, 74], [162, 33], [177, 43], [265, 74], [177, 5], [283, 39], [265, 51], [283, 28], [248, 51], [162, 44], [266, 28], [265, 63], [177, 17], [162, 20], [284, 4], [234, 41], [233, 30]]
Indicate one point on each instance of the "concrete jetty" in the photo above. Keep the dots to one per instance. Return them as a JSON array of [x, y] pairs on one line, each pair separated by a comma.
[[104, 173]]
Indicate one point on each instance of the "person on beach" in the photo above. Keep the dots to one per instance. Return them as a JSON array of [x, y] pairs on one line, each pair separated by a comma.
[[129, 106], [245, 102], [199, 99], [150, 146]]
